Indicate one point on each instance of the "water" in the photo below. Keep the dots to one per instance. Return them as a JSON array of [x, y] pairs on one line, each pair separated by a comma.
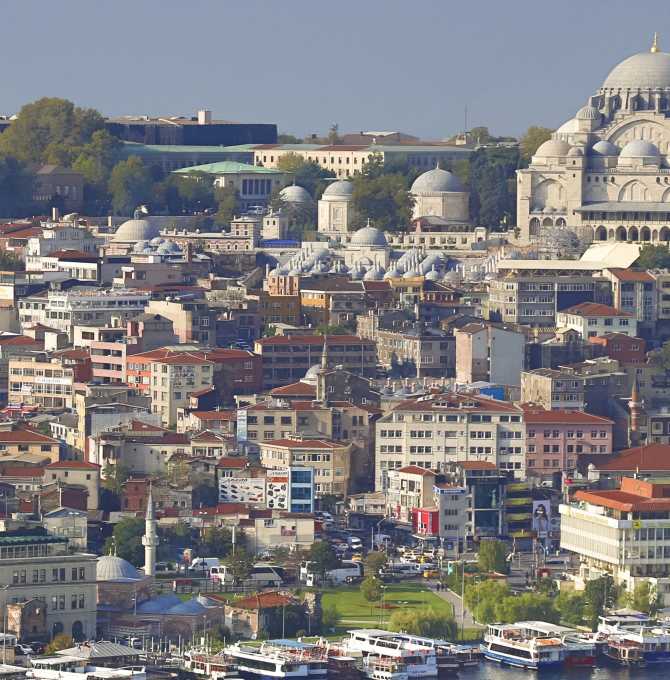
[[490, 670]]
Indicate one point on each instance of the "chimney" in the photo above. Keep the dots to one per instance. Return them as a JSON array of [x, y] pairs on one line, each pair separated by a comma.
[[394, 386], [444, 382], [425, 382], [204, 117], [55, 214]]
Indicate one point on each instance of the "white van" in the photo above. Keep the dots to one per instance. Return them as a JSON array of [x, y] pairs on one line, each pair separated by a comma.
[[261, 575], [204, 564]]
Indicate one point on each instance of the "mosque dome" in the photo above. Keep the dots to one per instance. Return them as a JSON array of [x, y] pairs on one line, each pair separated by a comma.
[[156, 241], [603, 148], [313, 372], [110, 567], [136, 230], [339, 188], [640, 148], [433, 275], [435, 181], [513, 255], [553, 147], [160, 604], [392, 274], [140, 246], [576, 151], [357, 273], [368, 236], [374, 274], [647, 70], [410, 274], [148, 251], [588, 113], [295, 272], [171, 245], [187, 608], [295, 194], [569, 126], [163, 249]]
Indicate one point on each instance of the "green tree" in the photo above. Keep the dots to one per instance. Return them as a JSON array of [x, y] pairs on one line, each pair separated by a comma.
[[196, 190], [333, 134], [228, 199], [598, 593], [644, 598], [218, 541], [528, 607], [496, 200], [270, 331], [480, 134], [164, 196], [281, 553], [425, 623], [385, 200], [482, 598], [11, 263], [61, 641], [130, 184], [201, 223], [533, 138], [115, 477], [571, 606], [306, 174], [178, 535], [330, 616], [327, 329], [375, 561], [653, 257], [492, 557], [322, 559], [16, 188], [176, 470], [371, 590], [284, 138], [239, 563], [665, 356], [126, 541], [45, 130]]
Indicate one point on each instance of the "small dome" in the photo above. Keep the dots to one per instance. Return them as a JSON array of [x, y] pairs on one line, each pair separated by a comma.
[[136, 230], [640, 148], [148, 251], [313, 372], [186, 608], [295, 194], [339, 188], [410, 274], [156, 241], [576, 151], [603, 148], [368, 237], [549, 210], [588, 113], [356, 273], [513, 255], [160, 604], [163, 249], [491, 276], [319, 268], [295, 272], [553, 147], [393, 274], [171, 245], [569, 126], [140, 246], [435, 181], [644, 71], [110, 567], [433, 275], [374, 274]]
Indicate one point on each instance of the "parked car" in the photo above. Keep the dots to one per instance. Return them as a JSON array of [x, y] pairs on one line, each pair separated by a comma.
[[37, 647], [432, 573], [358, 557], [164, 566], [23, 650]]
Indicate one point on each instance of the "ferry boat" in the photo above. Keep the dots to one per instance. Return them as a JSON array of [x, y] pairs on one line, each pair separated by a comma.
[[618, 624], [213, 666], [448, 663], [515, 645], [77, 668], [467, 656], [579, 650], [279, 659], [624, 652], [378, 668], [653, 642], [417, 656]]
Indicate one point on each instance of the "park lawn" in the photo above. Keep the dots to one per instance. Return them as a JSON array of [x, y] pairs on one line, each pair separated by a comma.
[[353, 606]]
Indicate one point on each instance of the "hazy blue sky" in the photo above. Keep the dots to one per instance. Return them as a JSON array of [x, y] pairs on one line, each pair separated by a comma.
[[367, 64]]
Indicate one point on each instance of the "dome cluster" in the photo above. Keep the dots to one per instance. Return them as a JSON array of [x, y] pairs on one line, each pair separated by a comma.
[[158, 246], [417, 263]]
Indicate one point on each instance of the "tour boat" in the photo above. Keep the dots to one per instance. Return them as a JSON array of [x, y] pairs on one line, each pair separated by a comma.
[[515, 645], [279, 659], [467, 655], [213, 666], [448, 663], [77, 668], [652, 642], [625, 652], [579, 650], [342, 667], [418, 657], [379, 668]]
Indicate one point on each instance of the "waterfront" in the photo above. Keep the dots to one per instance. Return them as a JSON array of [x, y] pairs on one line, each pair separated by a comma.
[[489, 670]]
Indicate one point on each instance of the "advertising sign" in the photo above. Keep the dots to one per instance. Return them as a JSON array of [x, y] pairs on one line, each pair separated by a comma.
[[541, 518], [277, 492], [6, 292], [52, 381], [241, 490], [519, 517], [519, 501], [241, 427]]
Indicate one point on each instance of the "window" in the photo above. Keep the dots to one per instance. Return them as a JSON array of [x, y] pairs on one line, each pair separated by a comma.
[[61, 602]]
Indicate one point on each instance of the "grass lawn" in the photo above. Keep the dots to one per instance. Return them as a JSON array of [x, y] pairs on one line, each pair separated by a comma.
[[354, 607]]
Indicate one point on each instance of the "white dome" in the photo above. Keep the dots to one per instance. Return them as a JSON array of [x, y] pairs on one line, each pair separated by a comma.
[[647, 70], [437, 180], [110, 567], [392, 274], [639, 148], [295, 272], [368, 236], [410, 274], [140, 246], [136, 230], [588, 113], [553, 147], [295, 194], [156, 241], [313, 372], [373, 274], [603, 148], [339, 188], [569, 126], [433, 275]]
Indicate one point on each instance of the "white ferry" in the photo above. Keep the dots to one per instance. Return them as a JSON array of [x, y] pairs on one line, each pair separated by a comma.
[[417, 658], [279, 659], [618, 624], [647, 647], [76, 668], [515, 645], [213, 666]]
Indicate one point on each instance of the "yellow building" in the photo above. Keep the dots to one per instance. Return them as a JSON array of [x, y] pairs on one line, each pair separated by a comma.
[[16, 439]]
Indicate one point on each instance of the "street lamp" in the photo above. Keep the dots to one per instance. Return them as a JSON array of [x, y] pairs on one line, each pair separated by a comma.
[[382, 607]]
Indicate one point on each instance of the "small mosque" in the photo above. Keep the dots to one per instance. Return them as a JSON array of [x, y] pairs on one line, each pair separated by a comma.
[[129, 605]]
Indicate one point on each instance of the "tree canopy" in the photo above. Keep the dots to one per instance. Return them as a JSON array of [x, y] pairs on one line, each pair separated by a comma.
[[371, 590], [306, 174], [323, 559], [644, 598], [492, 557], [126, 540], [533, 138], [130, 184], [384, 200], [114, 477], [425, 623], [240, 564], [653, 257]]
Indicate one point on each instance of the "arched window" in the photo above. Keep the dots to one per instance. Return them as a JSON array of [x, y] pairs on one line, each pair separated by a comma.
[[560, 222], [633, 234], [645, 234], [57, 629], [665, 234], [534, 226], [78, 631], [601, 234], [547, 222], [621, 234]]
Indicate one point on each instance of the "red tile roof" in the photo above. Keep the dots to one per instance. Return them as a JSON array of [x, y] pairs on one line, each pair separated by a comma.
[[141, 426], [376, 285], [632, 275], [364, 407], [72, 255], [74, 354], [21, 472], [214, 415], [201, 392], [538, 414], [594, 309], [270, 598], [73, 465], [416, 470], [477, 465], [299, 389], [621, 500], [442, 402], [223, 509], [309, 444], [26, 434], [235, 463], [311, 340], [22, 340], [650, 457]]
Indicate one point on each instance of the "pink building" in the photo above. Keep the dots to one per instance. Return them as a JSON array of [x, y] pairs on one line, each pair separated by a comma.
[[555, 439]]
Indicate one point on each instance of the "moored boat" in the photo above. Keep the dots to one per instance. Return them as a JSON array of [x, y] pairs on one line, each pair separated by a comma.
[[515, 645]]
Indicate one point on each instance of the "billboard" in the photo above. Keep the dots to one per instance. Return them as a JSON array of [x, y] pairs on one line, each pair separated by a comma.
[[241, 427], [541, 518], [277, 492], [241, 490]]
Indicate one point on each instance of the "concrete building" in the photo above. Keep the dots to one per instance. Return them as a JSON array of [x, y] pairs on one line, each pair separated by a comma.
[[635, 292], [68, 233], [624, 348], [408, 488], [192, 320], [76, 474], [592, 320], [412, 352], [14, 346], [416, 433], [41, 381], [451, 502], [552, 390]]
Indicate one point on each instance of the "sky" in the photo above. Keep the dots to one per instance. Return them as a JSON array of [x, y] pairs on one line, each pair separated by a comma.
[[409, 65]]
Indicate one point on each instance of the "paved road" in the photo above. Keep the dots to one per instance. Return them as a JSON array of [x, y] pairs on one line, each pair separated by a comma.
[[456, 603]]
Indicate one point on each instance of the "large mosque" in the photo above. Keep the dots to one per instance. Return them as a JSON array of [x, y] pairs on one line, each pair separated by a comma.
[[605, 174]]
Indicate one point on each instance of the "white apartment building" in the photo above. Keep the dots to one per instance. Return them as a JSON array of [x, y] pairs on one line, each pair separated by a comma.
[[57, 237], [441, 429], [591, 320]]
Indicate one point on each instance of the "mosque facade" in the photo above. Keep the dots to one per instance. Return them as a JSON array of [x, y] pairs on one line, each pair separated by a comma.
[[604, 175]]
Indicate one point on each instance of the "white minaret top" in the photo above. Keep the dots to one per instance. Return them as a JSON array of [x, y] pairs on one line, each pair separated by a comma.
[[150, 539]]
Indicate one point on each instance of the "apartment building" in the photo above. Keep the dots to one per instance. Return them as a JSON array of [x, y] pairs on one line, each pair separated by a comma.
[[450, 428], [35, 565], [193, 320], [408, 488], [285, 360], [534, 297], [635, 292], [317, 299], [78, 474], [625, 348], [71, 235], [82, 266], [555, 440], [662, 280], [330, 460], [592, 320], [14, 346], [276, 308], [19, 438], [416, 352], [41, 381], [553, 390]]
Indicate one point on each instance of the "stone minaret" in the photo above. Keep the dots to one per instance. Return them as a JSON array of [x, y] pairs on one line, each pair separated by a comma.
[[150, 539], [636, 412]]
